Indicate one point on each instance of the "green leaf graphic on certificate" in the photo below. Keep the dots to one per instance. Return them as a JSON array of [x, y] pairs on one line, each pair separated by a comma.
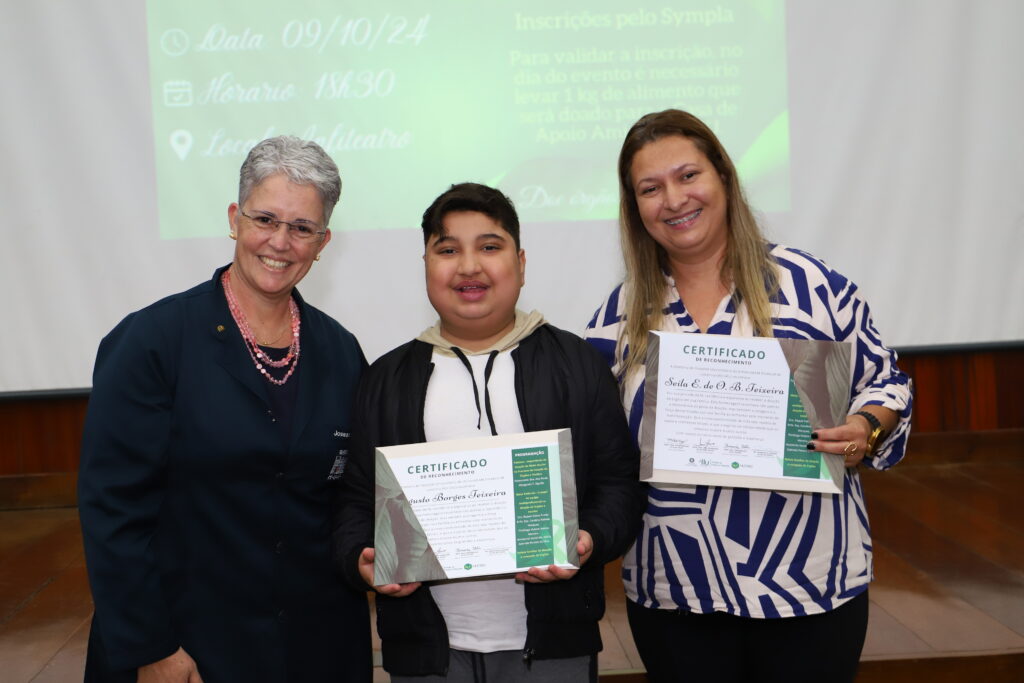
[[402, 552], [561, 543], [798, 461]]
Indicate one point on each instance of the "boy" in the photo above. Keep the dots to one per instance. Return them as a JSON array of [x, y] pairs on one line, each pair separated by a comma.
[[487, 368]]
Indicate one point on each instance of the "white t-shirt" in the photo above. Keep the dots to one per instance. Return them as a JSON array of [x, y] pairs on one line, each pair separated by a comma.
[[487, 615]]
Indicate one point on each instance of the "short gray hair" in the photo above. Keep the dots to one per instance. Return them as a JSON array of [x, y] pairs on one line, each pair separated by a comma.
[[303, 161]]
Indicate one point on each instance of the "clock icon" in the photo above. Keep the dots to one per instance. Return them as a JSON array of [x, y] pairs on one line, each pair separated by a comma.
[[174, 42]]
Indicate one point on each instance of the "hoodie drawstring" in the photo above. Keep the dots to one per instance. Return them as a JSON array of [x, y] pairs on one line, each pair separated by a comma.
[[476, 393]]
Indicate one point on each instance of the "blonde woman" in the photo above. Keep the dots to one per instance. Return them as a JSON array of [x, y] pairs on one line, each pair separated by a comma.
[[729, 584]]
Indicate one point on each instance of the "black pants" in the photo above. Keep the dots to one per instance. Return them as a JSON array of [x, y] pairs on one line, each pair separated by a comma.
[[684, 646]]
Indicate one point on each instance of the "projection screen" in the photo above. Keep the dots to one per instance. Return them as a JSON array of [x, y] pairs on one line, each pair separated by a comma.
[[884, 137]]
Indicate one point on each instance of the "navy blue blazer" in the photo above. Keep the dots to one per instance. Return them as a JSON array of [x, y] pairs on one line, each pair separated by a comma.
[[204, 527]]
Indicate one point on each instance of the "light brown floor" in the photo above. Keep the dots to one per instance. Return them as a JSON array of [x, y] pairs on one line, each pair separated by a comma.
[[949, 549]]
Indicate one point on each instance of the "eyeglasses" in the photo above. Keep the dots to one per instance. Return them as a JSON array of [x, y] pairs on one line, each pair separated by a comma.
[[298, 231]]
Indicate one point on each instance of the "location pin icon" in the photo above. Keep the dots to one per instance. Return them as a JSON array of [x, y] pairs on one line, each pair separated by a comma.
[[181, 143]]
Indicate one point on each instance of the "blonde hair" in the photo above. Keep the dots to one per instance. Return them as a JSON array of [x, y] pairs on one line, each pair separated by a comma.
[[748, 263]]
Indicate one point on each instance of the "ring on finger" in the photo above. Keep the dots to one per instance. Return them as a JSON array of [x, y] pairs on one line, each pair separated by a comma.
[[851, 449]]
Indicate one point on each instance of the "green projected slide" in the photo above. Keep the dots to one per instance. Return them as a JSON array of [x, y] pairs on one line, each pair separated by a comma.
[[411, 97]]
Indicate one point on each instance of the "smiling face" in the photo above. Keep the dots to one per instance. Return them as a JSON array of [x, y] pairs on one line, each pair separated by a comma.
[[681, 199], [268, 264], [474, 274]]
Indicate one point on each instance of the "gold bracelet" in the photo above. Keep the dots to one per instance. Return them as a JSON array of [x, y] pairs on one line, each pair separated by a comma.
[[877, 432]]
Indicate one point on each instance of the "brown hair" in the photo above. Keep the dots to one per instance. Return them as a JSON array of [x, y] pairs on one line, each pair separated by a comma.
[[470, 197], [748, 263]]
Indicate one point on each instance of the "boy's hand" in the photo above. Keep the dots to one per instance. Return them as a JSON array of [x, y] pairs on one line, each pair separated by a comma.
[[584, 546], [395, 590]]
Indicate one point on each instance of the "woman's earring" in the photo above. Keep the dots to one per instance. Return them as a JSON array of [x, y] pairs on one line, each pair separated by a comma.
[[232, 235]]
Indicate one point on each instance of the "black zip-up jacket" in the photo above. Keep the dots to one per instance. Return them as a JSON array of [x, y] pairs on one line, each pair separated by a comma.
[[561, 381]]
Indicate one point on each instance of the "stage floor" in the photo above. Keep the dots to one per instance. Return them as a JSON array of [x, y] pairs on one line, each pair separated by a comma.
[[949, 552]]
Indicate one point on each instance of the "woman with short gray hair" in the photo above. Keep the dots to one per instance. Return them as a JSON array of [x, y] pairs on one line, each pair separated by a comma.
[[216, 436]]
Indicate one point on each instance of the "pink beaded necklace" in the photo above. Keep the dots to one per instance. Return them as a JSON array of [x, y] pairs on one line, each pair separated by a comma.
[[255, 352]]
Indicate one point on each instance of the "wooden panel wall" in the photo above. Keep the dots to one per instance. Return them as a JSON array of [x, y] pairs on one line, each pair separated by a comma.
[[955, 391], [39, 440], [40, 435], [972, 391]]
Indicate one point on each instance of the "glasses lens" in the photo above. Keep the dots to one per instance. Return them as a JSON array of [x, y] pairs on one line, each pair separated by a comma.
[[301, 231], [264, 222]]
